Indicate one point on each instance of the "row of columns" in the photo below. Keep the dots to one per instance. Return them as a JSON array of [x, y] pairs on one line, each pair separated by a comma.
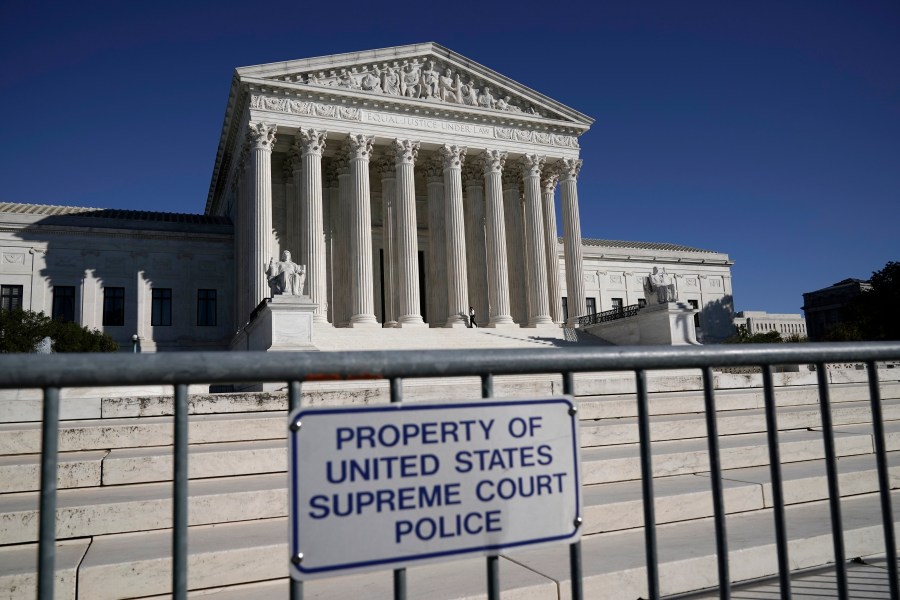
[[518, 287]]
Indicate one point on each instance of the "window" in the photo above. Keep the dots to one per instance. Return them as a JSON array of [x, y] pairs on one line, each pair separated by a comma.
[[695, 305], [12, 297], [114, 306], [591, 306], [617, 304], [161, 311], [64, 303], [565, 308], [206, 308]]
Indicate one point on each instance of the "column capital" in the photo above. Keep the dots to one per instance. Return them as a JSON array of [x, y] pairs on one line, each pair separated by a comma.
[[433, 168], [262, 135], [452, 156], [549, 179], [531, 165], [360, 146], [405, 151], [492, 161], [568, 168], [310, 141]]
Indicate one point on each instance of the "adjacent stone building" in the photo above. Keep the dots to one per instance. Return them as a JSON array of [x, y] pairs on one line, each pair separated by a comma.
[[412, 182], [825, 308]]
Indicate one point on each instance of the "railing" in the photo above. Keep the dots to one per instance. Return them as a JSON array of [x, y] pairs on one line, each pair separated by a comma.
[[51, 373], [610, 315]]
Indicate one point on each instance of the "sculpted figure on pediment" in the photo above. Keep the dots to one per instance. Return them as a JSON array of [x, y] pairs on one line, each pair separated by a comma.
[[451, 87], [486, 99], [346, 80], [371, 81], [392, 81], [430, 81], [469, 94], [410, 81]]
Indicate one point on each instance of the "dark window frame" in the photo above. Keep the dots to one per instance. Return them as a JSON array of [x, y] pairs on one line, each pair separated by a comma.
[[207, 307], [63, 303], [113, 306], [9, 299], [161, 307]]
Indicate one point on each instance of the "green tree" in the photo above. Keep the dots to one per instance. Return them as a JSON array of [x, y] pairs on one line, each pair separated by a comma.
[[20, 330], [743, 336], [875, 314]]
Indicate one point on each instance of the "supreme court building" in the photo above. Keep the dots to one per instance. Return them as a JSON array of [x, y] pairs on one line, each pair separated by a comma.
[[412, 182]]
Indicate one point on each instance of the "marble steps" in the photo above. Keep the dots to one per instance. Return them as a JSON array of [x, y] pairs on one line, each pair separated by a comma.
[[614, 406], [18, 570], [618, 506], [242, 553], [107, 434], [684, 426], [606, 464], [612, 506], [670, 410], [22, 472]]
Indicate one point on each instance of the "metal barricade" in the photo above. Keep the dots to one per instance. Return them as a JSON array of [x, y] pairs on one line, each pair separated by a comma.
[[54, 372]]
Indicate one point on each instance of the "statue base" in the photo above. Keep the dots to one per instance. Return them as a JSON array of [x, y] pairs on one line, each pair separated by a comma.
[[282, 324], [668, 324]]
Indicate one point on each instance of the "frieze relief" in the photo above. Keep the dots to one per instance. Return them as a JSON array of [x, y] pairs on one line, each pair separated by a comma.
[[421, 78], [331, 111]]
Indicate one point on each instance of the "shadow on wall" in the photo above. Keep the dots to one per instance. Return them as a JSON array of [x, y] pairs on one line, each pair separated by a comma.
[[717, 320], [85, 256]]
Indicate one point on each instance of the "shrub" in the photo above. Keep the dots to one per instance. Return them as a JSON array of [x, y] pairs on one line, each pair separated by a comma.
[[20, 330]]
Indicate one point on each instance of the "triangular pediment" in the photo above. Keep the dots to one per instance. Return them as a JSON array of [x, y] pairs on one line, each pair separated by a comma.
[[426, 73]]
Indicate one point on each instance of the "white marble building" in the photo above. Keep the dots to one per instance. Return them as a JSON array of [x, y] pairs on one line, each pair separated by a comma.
[[412, 182], [759, 321]]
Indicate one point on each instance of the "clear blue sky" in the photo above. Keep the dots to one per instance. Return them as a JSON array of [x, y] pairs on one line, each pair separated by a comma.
[[766, 129]]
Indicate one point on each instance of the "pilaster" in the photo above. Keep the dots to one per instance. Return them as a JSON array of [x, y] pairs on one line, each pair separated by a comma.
[[476, 251], [436, 288], [343, 290], [515, 245]]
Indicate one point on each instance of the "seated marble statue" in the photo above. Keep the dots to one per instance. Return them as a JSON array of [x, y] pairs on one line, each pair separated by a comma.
[[663, 285], [286, 277]]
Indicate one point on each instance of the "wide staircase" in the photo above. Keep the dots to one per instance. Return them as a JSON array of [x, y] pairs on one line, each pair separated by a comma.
[[114, 513]]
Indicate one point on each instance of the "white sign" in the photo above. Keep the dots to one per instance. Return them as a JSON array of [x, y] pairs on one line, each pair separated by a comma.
[[395, 485], [426, 123]]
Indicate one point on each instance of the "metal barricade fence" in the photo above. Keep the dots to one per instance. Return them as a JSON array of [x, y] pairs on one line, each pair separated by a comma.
[[54, 372]]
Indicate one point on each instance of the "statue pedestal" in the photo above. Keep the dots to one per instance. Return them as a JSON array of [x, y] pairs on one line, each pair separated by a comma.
[[282, 324], [669, 324]]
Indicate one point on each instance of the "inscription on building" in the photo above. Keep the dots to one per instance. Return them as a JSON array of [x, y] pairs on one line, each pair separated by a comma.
[[427, 124]]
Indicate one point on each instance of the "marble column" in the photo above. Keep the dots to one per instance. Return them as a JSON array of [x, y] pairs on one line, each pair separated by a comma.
[[492, 162], [244, 227], [312, 143], [262, 137], [362, 301], [568, 190], [452, 158], [342, 227], [476, 252], [548, 186], [515, 245], [329, 218], [536, 257], [388, 199], [405, 154], [436, 287]]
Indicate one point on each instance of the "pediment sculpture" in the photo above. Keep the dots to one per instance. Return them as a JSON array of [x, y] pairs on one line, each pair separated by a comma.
[[423, 78]]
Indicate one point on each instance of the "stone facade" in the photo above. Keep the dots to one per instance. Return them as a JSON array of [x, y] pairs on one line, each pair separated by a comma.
[[758, 321], [411, 182]]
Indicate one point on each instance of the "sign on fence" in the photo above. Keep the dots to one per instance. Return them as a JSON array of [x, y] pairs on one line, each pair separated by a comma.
[[395, 485]]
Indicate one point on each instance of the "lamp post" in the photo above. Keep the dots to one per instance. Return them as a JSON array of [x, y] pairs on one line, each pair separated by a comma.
[[134, 343]]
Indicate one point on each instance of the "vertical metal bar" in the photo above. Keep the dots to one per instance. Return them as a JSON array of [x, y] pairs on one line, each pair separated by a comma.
[[295, 399], [715, 474], [834, 493], [47, 525], [493, 562], [781, 539], [643, 405], [180, 496], [576, 573], [884, 487], [399, 574]]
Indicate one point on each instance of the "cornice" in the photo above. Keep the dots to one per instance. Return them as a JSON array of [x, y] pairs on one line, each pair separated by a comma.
[[119, 233]]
